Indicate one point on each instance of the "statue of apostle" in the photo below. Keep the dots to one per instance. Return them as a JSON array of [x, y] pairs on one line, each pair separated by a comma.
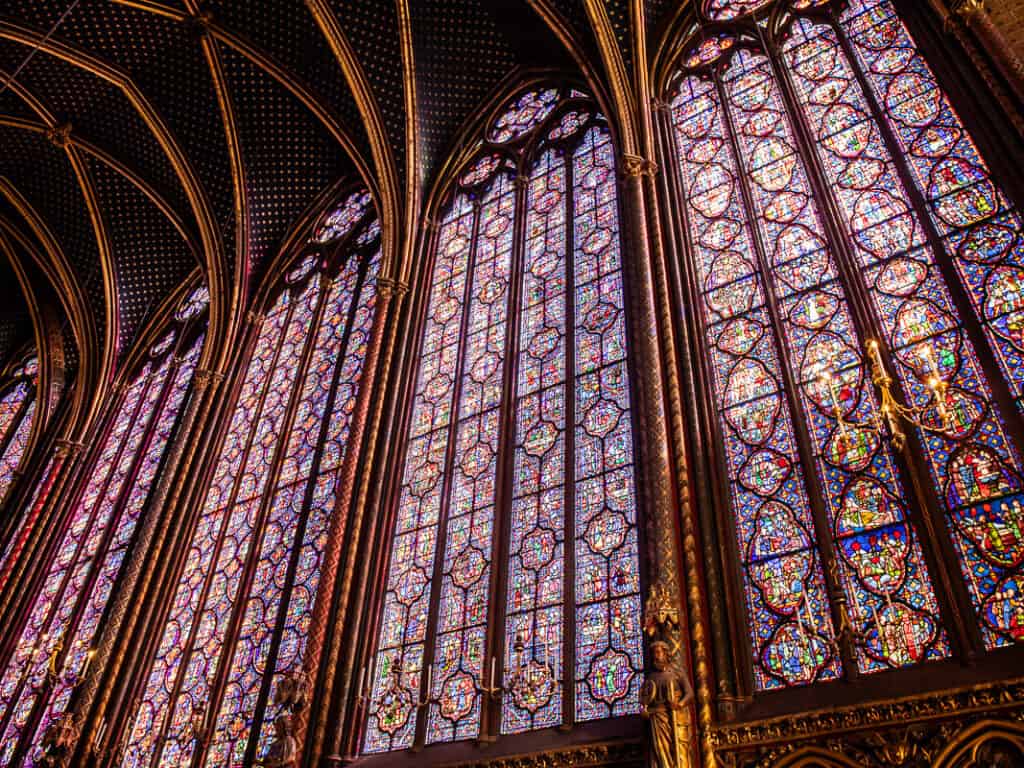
[[665, 697]]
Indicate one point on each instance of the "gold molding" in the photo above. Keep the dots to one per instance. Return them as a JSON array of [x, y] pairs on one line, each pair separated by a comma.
[[58, 270], [413, 176], [987, 697], [635, 165], [388, 209], [621, 88], [213, 251], [617, 754]]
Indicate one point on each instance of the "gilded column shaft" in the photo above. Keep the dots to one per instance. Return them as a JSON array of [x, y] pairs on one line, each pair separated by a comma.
[[338, 532], [660, 499], [977, 18], [22, 565], [114, 645], [356, 609], [31, 516]]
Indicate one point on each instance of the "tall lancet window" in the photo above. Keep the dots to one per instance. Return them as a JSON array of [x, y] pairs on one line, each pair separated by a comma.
[[857, 274], [238, 618], [514, 559], [64, 612], [17, 409]]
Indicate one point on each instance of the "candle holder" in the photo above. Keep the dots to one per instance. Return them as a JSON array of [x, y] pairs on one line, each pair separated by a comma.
[[892, 412], [532, 682]]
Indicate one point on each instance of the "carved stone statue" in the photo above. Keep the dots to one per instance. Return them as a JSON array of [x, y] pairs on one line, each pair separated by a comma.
[[58, 741], [293, 691], [284, 749], [665, 697]]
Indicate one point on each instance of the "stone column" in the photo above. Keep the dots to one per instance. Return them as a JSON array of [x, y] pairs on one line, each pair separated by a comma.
[[664, 600], [113, 645], [343, 530], [977, 18]]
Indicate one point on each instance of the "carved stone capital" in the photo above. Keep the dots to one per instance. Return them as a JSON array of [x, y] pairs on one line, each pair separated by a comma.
[[970, 10], [659, 105], [388, 287], [68, 449], [634, 165], [661, 613], [59, 135], [204, 377]]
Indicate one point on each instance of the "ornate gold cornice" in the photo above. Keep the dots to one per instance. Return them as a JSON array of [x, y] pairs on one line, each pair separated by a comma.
[[391, 288], [988, 697]]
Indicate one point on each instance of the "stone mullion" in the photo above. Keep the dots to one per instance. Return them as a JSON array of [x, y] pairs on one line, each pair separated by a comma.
[[707, 554], [125, 586], [41, 697], [21, 610], [65, 453], [226, 510], [310, 484], [269, 493], [53, 509], [366, 607], [136, 647], [37, 456]]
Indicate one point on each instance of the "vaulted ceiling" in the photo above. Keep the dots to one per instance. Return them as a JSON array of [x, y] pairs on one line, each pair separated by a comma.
[[144, 143]]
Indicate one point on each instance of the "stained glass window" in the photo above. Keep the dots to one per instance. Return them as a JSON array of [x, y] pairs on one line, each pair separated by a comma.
[[523, 364], [17, 407], [64, 616], [840, 203], [238, 619]]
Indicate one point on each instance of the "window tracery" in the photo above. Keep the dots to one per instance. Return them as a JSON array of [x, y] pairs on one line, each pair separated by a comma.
[[833, 197], [521, 422], [238, 619]]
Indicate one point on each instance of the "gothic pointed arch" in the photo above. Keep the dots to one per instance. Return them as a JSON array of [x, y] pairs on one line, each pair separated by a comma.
[[512, 599], [852, 263]]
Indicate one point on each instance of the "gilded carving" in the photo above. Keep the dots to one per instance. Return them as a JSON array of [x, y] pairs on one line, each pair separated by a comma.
[[665, 700], [634, 165]]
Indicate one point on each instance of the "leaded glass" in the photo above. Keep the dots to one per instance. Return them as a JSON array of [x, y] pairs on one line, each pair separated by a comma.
[[557, 338], [344, 218], [240, 616], [805, 251], [771, 506], [65, 615], [17, 412]]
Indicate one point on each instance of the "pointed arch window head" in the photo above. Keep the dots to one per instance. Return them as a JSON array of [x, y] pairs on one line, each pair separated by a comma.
[[512, 598], [237, 621], [840, 203], [17, 417], [343, 218], [64, 616], [194, 304]]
